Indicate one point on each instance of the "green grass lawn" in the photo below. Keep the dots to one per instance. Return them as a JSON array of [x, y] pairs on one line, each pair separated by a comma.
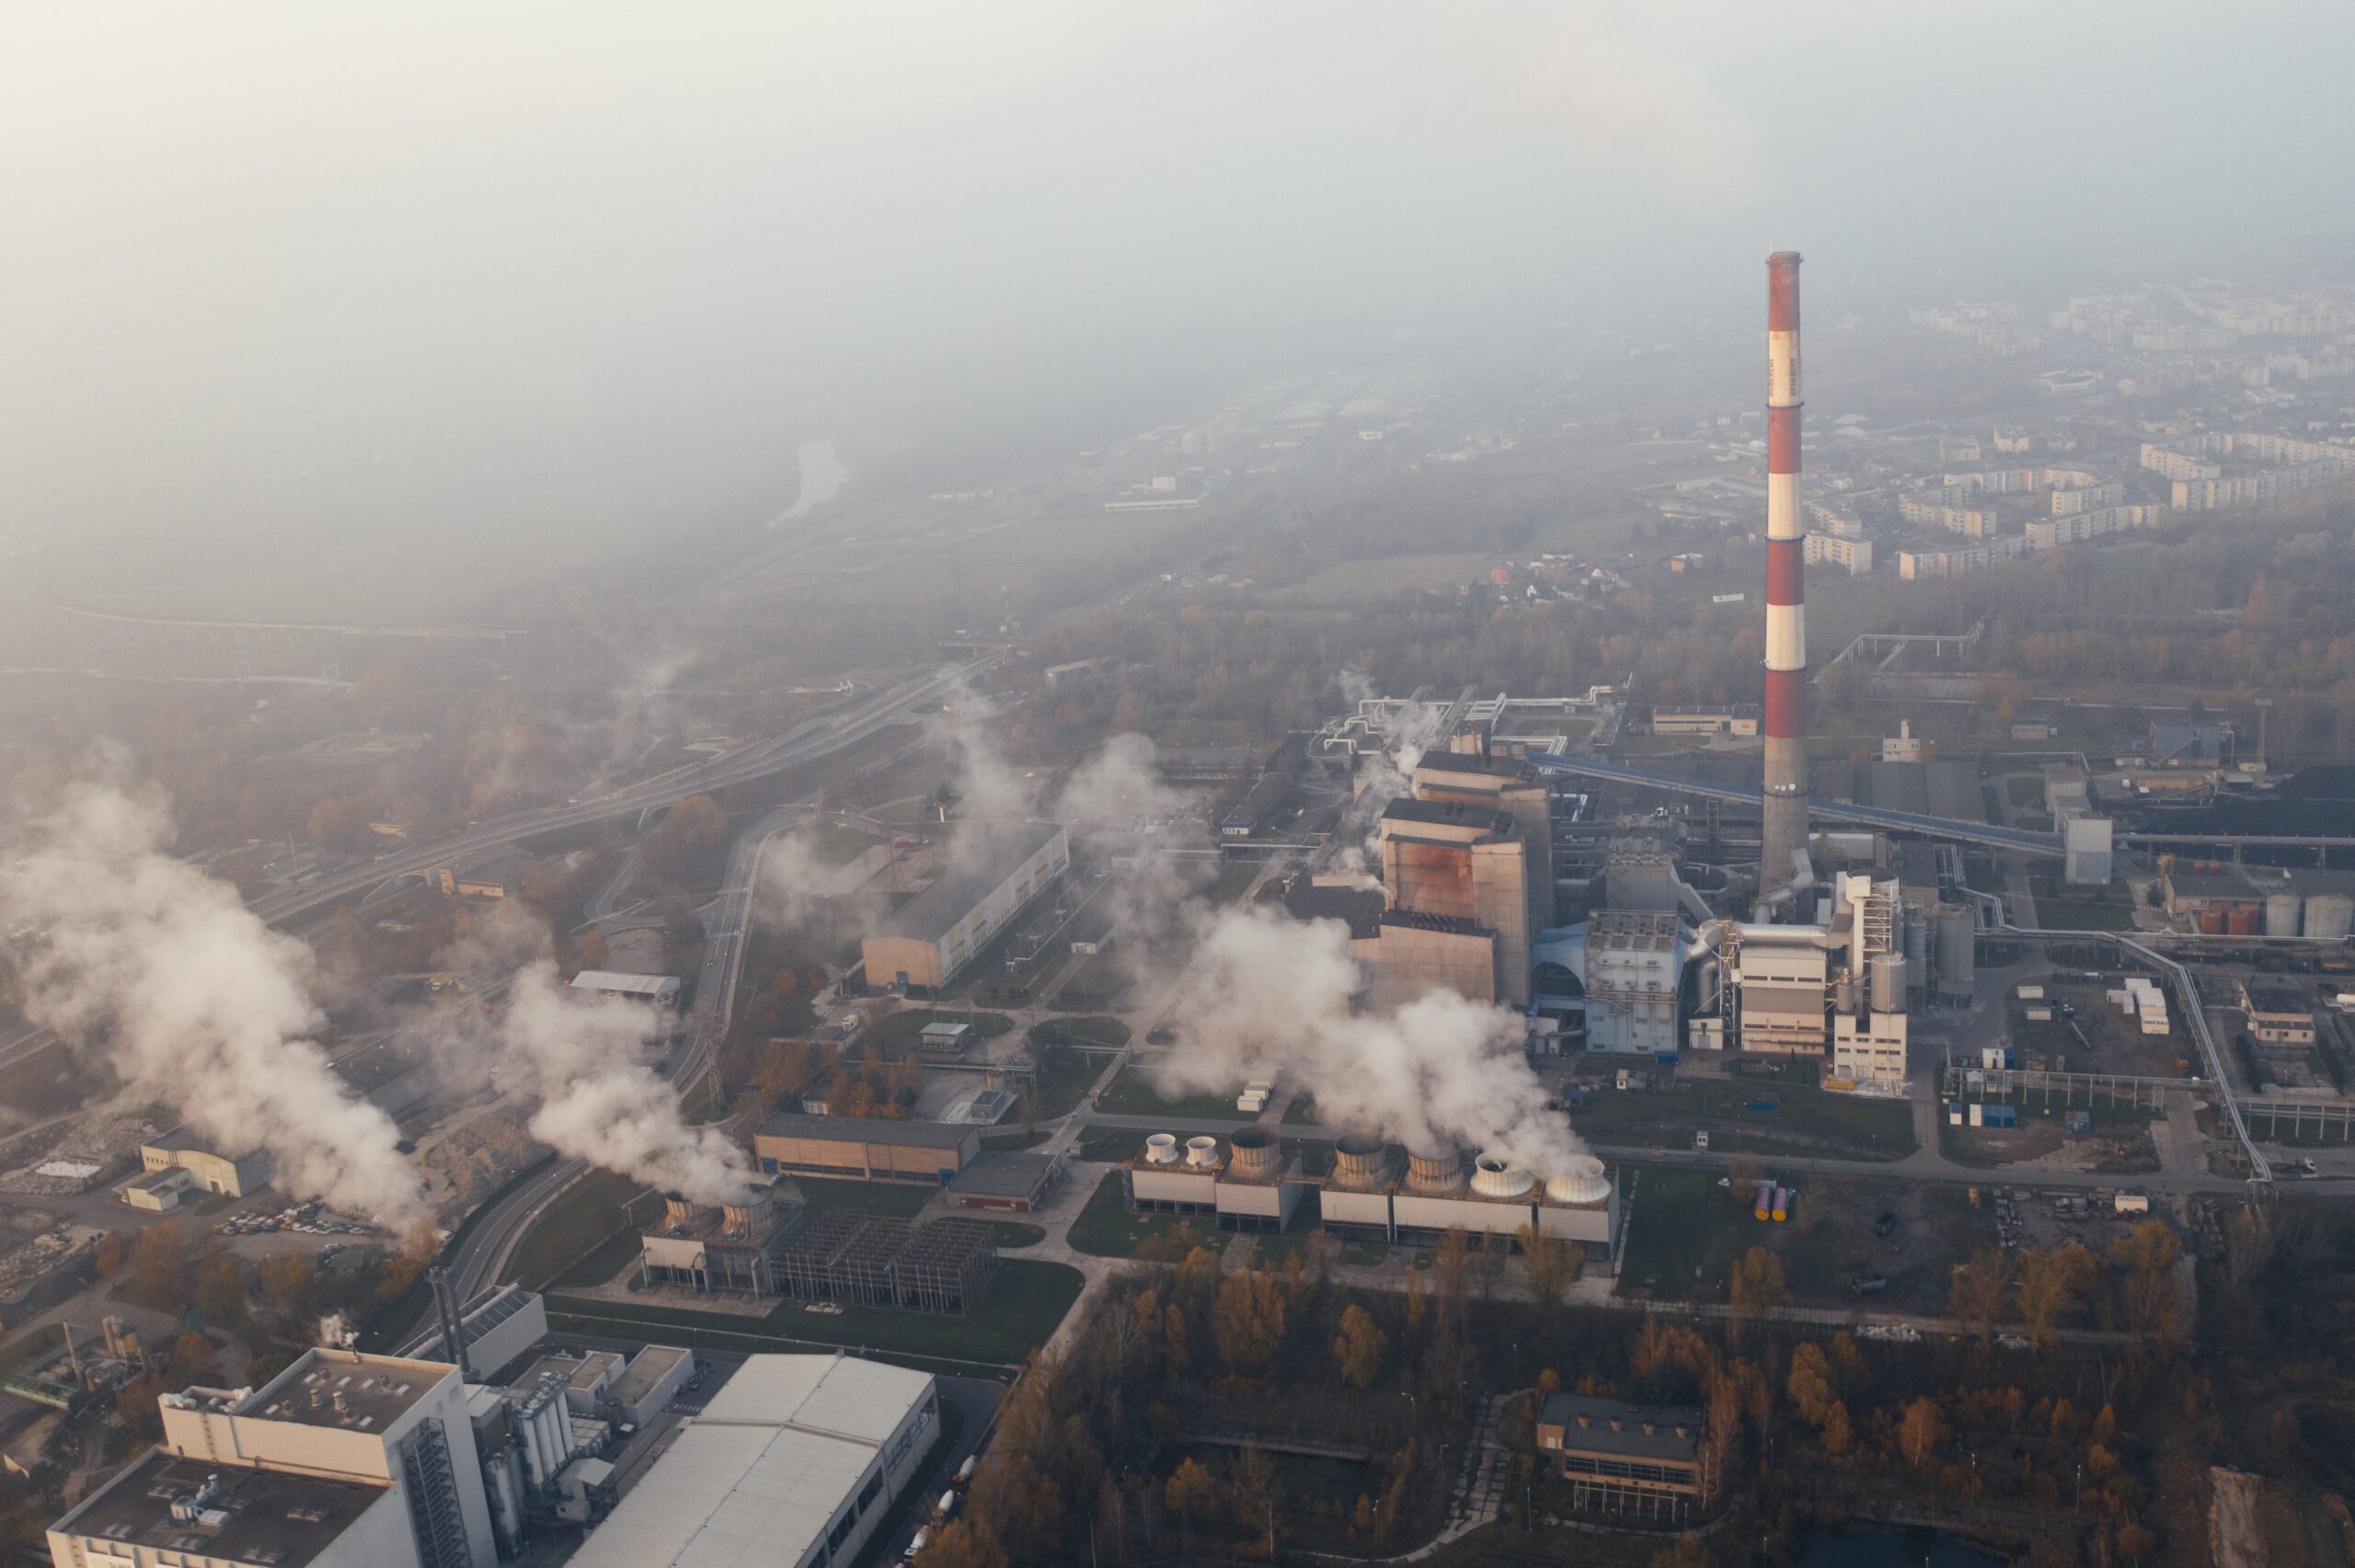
[[1231, 882], [1105, 1229], [1133, 1094], [1027, 1301], [1682, 1235], [1011, 1234], [1844, 1123], [1274, 1248], [603, 1264], [1364, 1255], [589, 1213], [835, 844], [898, 1198], [904, 1026], [1099, 1031]]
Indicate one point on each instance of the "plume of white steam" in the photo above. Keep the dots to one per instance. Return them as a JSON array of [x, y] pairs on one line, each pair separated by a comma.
[[1267, 995], [601, 1101], [1408, 731], [196, 1002], [795, 890], [989, 788]]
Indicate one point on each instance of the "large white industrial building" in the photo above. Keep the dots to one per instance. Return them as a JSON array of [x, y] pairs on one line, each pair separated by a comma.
[[342, 1461], [795, 1461]]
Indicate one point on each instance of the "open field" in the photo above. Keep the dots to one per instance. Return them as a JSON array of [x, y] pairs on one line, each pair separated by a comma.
[[1105, 1229], [1133, 1093], [591, 1211], [1795, 1120], [1686, 1230]]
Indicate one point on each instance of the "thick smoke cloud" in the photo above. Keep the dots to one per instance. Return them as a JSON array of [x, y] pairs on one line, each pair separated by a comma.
[[1266, 995], [196, 1002], [600, 1098], [1407, 731], [795, 889]]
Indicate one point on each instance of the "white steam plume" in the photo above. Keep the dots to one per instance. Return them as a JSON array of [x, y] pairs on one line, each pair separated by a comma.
[[1407, 731], [600, 1099], [1629, 100], [794, 889], [1267, 995], [196, 1002]]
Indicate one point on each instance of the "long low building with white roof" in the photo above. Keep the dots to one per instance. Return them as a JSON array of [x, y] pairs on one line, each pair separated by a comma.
[[796, 1461]]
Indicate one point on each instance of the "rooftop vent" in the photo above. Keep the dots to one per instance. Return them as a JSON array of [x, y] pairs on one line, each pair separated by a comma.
[[1492, 1177], [1161, 1148], [1202, 1153]]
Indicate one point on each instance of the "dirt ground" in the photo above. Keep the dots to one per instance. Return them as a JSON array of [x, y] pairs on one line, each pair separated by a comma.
[[2097, 1038]]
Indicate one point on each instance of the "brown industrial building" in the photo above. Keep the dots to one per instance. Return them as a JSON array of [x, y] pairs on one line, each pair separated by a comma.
[[933, 936], [1004, 1181], [1625, 1459], [863, 1147]]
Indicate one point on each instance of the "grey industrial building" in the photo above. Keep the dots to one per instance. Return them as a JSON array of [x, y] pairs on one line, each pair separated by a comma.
[[997, 869]]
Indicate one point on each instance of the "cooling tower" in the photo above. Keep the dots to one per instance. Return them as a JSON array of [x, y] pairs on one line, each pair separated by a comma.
[[1254, 1151], [1437, 1169], [1492, 1177]]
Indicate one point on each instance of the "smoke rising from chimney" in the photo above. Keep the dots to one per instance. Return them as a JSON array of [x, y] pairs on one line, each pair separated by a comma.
[[601, 1100], [195, 1002], [1266, 995]]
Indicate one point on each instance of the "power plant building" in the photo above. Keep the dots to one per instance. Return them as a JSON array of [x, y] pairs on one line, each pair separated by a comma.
[[797, 1460], [726, 1247], [931, 937], [867, 1149], [1631, 1459], [343, 1460]]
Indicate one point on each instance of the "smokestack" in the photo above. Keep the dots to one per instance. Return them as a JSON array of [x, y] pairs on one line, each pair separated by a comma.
[[1784, 828]]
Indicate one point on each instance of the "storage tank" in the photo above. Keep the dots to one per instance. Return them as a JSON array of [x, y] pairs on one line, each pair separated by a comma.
[[2281, 913], [1358, 1161], [1763, 1204], [2330, 916], [1439, 1169], [1917, 944], [1201, 1153], [1161, 1148], [1254, 1151], [1782, 1203], [1492, 1177], [1889, 983], [2211, 921], [2242, 921], [1582, 1183], [1958, 950], [1845, 994]]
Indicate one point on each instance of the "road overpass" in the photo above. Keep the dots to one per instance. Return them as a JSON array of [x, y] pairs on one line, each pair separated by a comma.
[[1949, 828]]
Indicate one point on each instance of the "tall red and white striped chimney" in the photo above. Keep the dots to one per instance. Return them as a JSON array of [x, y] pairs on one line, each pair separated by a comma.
[[1783, 837]]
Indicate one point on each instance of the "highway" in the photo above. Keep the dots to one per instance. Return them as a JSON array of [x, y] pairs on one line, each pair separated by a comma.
[[807, 741]]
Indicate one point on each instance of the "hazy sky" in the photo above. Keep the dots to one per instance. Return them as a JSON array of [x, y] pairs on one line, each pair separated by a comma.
[[438, 271]]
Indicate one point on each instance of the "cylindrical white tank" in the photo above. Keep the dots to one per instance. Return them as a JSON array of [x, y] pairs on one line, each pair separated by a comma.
[[1889, 982], [2281, 911], [1202, 1152], [1845, 994], [1161, 1148], [2329, 916]]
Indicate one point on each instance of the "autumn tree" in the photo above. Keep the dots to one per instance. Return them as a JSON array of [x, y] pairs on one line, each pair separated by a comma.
[[1549, 1266], [194, 1358], [1921, 1432], [1978, 1290], [1361, 1347], [963, 1543], [2053, 1282], [1192, 1492], [1756, 1288], [1248, 1322]]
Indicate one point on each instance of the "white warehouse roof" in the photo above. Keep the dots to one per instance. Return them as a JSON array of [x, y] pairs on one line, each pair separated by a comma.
[[624, 984], [761, 1472]]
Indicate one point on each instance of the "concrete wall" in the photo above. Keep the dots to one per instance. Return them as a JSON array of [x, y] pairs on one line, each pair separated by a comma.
[[1402, 963]]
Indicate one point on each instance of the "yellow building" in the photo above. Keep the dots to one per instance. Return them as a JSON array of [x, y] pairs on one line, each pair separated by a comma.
[[934, 934]]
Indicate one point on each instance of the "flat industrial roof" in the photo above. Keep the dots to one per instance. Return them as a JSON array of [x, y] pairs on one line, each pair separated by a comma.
[[627, 985], [866, 1130], [762, 1474], [1003, 1173], [930, 915], [376, 1391], [648, 1367], [1452, 813], [297, 1517]]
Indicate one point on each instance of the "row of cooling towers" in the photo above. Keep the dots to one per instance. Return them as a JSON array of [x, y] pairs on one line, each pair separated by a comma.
[[1368, 1164]]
